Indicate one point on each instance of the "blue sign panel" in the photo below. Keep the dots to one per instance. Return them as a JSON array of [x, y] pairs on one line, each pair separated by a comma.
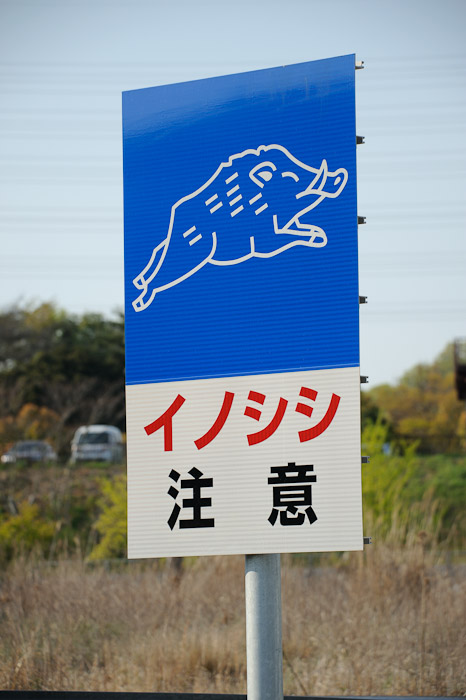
[[241, 224]]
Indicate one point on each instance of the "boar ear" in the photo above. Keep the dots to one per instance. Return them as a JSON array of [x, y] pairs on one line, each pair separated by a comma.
[[262, 173]]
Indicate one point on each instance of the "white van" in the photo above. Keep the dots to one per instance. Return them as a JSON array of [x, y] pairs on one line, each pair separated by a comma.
[[97, 443]]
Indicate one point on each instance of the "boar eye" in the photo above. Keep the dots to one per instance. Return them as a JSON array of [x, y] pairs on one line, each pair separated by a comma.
[[262, 173], [290, 174]]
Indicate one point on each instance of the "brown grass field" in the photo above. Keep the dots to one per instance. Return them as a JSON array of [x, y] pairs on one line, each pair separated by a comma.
[[384, 622]]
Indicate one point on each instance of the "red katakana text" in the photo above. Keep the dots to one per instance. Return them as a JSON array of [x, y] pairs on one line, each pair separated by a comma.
[[165, 421]]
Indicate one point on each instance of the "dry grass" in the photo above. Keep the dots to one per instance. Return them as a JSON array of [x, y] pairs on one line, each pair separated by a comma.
[[382, 622]]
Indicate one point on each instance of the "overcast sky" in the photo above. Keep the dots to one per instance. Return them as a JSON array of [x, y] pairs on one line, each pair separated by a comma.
[[64, 64]]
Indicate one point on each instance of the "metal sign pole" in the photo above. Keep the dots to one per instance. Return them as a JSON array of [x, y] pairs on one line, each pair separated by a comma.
[[264, 627]]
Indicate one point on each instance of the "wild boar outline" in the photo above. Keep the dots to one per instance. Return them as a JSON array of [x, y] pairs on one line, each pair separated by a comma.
[[304, 234]]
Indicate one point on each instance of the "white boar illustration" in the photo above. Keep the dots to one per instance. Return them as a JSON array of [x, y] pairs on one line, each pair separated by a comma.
[[252, 206]]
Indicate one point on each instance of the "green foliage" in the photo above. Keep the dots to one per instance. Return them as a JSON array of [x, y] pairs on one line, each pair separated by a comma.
[[111, 524], [25, 532], [410, 492]]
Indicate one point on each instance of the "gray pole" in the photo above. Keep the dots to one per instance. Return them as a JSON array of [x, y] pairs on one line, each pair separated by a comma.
[[264, 627]]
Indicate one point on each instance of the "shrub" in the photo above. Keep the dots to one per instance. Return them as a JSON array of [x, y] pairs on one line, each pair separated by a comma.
[[111, 524], [25, 532], [412, 492]]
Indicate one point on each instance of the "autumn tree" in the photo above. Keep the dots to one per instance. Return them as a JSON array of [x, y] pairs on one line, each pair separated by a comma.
[[423, 406]]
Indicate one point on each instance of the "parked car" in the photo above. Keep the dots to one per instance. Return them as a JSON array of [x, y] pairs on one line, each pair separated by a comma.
[[29, 451], [94, 443]]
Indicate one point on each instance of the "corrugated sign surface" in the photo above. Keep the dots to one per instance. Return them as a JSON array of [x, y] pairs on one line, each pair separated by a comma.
[[242, 314]]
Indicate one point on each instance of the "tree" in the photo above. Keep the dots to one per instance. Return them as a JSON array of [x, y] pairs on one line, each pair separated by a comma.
[[73, 366], [423, 406]]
